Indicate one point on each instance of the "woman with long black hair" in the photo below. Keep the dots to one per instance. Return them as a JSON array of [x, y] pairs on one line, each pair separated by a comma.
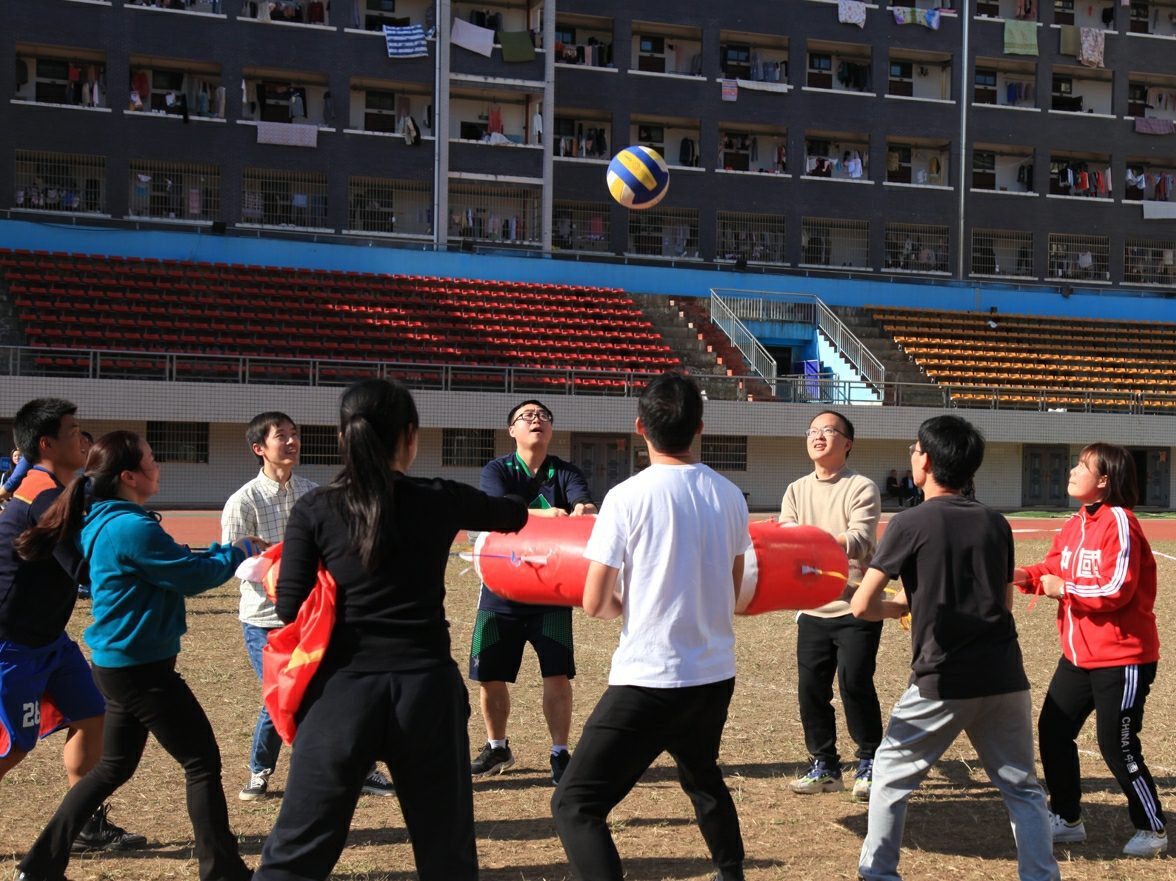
[[1102, 573], [139, 578], [388, 687]]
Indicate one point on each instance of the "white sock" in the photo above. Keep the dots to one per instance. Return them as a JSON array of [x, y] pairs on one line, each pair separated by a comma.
[[498, 744], [557, 748]]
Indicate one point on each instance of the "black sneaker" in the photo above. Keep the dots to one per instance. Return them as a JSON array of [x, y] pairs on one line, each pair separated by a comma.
[[100, 834], [559, 764], [492, 760], [377, 783], [256, 787]]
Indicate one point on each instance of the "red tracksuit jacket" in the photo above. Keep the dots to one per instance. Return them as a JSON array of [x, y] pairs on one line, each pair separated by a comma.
[[1105, 615]]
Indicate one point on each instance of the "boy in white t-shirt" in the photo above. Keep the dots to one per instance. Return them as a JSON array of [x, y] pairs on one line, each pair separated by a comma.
[[679, 531]]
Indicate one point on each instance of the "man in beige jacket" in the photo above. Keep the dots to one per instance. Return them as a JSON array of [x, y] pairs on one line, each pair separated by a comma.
[[830, 640]]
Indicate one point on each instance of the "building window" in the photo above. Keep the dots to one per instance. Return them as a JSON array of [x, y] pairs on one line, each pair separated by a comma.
[[173, 190], [725, 452], [185, 442], [495, 213], [320, 445], [60, 182], [1002, 252], [664, 232], [756, 238], [581, 226], [835, 243], [390, 207], [917, 247], [283, 198], [1079, 257], [466, 447], [1150, 261]]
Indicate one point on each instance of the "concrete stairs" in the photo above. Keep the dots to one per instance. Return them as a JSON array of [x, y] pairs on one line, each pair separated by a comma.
[[900, 367], [704, 349]]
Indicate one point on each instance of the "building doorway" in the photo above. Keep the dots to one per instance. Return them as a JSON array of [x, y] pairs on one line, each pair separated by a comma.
[[1044, 474], [1152, 470], [604, 459]]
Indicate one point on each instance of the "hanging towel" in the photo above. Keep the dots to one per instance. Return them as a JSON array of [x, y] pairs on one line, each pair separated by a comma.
[[928, 18], [1020, 37], [1093, 45], [407, 42], [470, 36], [287, 134], [1154, 126], [1070, 40], [851, 12], [516, 45]]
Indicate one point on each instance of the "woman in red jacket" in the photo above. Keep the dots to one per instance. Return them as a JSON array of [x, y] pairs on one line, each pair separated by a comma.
[[1103, 575]]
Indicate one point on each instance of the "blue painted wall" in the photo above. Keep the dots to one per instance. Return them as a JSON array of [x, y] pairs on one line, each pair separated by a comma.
[[1121, 304]]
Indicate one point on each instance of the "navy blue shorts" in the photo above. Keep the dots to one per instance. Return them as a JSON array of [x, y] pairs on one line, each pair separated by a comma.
[[43, 690], [499, 638]]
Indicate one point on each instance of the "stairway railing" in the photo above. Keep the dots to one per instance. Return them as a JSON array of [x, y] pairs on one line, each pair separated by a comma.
[[801, 309], [753, 352]]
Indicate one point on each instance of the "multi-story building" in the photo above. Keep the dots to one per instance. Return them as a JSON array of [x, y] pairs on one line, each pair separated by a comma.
[[795, 141]]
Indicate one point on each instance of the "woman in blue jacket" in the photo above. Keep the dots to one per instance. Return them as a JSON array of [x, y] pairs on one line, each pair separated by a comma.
[[139, 578]]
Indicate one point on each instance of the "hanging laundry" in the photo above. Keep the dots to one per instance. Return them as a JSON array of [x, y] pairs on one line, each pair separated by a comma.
[[1093, 46], [470, 36], [1020, 37], [1154, 126], [406, 42], [851, 12], [516, 46], [1026, 10], [928, 18]]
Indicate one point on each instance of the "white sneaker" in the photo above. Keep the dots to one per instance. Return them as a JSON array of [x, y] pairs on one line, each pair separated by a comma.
[[1146, 843], [1066, 832], [256, 787]]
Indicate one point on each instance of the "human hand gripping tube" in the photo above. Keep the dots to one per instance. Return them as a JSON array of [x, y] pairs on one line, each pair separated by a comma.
[[788, 567]]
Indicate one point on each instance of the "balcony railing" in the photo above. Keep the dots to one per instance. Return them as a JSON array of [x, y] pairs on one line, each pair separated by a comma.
[[177, 369]]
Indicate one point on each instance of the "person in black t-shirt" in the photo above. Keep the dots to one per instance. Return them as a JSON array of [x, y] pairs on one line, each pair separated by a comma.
[[552, 488], [388, 687], [955, 558]]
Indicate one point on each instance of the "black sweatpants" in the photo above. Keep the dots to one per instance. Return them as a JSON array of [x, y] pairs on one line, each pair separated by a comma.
[[141, 700], [1116, 695], [848, 647], [629, 728], [416, 722]]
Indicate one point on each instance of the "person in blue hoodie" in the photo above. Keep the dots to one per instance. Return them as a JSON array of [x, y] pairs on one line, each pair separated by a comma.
[[139, 578]]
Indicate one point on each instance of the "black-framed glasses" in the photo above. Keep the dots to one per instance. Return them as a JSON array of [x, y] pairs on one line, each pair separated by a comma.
[[533, 415], [828, 431], [914, 448]]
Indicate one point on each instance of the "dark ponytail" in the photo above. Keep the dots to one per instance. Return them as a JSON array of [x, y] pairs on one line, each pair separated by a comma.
[[375, 418], [111, 455]]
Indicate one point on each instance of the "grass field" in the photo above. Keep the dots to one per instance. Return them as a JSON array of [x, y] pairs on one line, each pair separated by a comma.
[[957, 826]]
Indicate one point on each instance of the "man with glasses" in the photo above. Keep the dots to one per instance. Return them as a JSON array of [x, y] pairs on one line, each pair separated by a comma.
[[830, 640], [552, 488]]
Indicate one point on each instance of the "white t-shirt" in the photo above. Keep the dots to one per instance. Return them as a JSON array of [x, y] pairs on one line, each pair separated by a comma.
[[675, 531]]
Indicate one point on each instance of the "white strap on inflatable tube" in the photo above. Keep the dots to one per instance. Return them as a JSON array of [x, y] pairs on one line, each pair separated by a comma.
[[478, 545], [750, 579]]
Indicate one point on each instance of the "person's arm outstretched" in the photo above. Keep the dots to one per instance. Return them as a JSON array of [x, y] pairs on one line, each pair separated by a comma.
[[162, 562], [868, 603]]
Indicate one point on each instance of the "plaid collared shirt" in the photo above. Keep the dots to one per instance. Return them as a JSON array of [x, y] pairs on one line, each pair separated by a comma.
[[262, 508]]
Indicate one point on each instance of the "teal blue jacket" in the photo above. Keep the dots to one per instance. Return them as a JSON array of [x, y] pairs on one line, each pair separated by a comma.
[[139, 577]]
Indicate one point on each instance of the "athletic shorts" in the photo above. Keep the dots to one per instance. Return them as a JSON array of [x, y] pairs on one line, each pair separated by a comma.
[[43, 690], [499, 637]]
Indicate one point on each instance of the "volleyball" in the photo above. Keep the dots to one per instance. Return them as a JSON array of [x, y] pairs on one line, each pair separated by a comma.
[[638, 177]]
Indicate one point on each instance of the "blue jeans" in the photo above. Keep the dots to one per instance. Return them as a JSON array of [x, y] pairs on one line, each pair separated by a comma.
[[266, 742]]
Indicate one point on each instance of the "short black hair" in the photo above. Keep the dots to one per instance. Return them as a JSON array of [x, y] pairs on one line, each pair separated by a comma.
[[87, 436], [37, 419], [955, 447], [515, 409], [844, 421], [671, 412], [259, 428]]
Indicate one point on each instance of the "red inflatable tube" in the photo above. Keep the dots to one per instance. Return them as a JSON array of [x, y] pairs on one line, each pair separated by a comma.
[[788, 567]]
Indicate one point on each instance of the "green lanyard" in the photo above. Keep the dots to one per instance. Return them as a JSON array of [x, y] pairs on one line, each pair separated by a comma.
[[537, 481]]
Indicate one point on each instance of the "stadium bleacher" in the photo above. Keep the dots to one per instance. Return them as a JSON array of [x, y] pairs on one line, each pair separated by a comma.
[[130, 304], [1077, 357]]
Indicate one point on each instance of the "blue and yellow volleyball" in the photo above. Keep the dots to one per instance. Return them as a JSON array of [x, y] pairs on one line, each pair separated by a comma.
[[638, 177]]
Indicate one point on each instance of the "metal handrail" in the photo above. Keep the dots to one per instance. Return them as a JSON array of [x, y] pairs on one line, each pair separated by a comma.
[[36, 362], [744, 340], [805, 309]]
